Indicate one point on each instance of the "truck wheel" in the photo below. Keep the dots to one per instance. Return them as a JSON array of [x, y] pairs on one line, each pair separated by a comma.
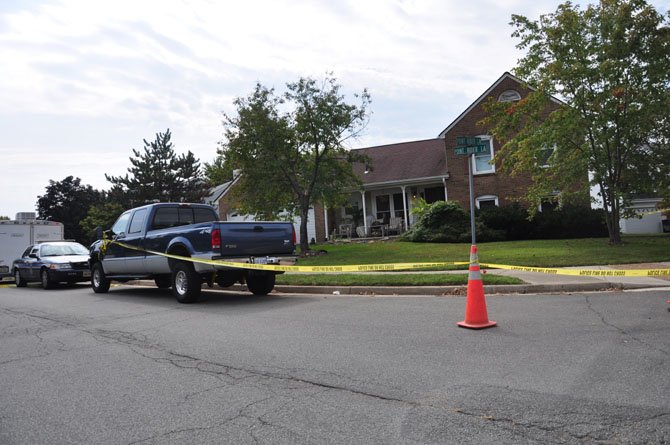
[[20, 282], [186, 283], [46, 279], [260, 283], [99, 281], [163, 281]]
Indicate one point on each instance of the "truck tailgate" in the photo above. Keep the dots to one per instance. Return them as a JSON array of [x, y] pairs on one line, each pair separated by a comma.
[[256, 238]]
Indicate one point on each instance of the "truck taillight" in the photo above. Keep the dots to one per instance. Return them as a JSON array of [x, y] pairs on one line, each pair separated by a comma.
[[293, 237], [216, 239]]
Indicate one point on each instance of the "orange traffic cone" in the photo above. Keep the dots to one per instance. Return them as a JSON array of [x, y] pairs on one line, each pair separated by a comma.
[[475, 306]]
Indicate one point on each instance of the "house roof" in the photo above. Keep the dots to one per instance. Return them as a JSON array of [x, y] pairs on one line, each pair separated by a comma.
[[404, 161], [483, 96], [215, 193]]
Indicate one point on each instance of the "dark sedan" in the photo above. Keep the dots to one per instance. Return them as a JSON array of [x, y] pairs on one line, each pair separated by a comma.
[[51, 263]]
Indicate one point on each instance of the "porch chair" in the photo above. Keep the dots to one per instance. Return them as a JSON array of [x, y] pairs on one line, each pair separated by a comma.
[[396, 225]]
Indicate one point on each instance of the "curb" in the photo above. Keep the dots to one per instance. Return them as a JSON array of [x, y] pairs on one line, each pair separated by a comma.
[[452, 290], [440, 291]]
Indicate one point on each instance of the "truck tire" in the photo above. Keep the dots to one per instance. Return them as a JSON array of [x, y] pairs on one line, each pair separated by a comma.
[[46, 279], [260, 283], [186, 283], [163, 281], [20, 282], [99, 281]]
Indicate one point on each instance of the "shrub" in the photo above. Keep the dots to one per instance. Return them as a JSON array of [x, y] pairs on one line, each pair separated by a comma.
[[441, 222], [570, 221], [512, 221]]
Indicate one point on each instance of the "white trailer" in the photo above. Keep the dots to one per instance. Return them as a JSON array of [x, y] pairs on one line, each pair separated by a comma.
[[18, 234]]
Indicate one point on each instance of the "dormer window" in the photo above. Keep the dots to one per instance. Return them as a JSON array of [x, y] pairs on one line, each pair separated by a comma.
[[509, 96]]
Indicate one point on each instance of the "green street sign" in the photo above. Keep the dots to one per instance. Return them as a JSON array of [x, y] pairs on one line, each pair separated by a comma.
[[482, 148], [463, 140]]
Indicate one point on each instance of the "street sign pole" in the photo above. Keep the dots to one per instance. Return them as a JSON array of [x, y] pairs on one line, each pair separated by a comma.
[[471, 163]]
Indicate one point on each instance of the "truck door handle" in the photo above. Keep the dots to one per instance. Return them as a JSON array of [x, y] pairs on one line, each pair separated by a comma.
[[258, 228]]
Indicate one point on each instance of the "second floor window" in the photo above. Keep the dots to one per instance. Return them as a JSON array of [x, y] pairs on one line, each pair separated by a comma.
[[483, 160]]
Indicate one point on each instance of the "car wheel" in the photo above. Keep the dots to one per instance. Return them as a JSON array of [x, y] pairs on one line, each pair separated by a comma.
[[163, 281], [46, 279], [99, 281], [20, 282], [186, 283], [260, 283]]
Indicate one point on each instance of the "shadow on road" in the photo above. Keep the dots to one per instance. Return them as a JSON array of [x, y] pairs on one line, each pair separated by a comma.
[[210, 298]]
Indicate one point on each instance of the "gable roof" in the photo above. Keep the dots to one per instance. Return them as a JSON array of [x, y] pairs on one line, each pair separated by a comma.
[[215, 193], [403, 161], [505, 75]]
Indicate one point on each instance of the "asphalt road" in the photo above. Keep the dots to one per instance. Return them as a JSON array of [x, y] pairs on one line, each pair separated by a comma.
[[134, 366]]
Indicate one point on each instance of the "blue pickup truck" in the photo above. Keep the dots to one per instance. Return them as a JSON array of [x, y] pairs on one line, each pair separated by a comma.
[[140, 235]]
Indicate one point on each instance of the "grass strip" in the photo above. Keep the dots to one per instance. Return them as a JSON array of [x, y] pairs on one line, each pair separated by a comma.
[[537, 253], [388, 279]]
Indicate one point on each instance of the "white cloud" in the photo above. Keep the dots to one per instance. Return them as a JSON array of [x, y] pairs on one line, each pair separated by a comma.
[[84, 82]]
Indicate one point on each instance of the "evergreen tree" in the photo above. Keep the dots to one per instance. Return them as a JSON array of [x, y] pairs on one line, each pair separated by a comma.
[[158, 174]]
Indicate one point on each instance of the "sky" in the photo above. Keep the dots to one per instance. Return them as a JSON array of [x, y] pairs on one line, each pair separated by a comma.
[[84, 82]]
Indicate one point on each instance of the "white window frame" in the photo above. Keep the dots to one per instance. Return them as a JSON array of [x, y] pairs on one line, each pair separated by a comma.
[[492, 165], [478, 199], [509, 93]]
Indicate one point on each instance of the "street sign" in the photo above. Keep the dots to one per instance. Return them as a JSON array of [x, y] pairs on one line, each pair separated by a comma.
[[471, 149], [462, 140]]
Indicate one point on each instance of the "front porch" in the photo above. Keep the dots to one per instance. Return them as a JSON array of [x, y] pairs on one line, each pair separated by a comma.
[[382, 211]]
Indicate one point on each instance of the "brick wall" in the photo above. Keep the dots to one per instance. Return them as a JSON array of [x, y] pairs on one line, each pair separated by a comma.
[[501, 185]]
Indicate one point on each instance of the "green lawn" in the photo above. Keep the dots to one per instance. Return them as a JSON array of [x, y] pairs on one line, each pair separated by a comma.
[[539, 253], [389, 279]]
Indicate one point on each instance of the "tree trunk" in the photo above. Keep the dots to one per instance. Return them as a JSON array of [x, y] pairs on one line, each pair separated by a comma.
[[611, 204], [304, 240]]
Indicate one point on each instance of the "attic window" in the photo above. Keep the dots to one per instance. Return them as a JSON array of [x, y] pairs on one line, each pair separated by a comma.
[[509, 96]]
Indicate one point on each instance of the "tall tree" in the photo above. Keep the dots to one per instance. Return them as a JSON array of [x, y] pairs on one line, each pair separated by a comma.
[[158, 174], [610, 63], [292, 159], [68, 202]]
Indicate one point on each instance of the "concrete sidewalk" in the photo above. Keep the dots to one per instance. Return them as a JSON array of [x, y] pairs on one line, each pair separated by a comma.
[[534, 283]]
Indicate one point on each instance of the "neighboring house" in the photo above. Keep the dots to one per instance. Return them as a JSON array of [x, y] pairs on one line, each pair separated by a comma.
[[400, 174], [651, 219], [221, 199]]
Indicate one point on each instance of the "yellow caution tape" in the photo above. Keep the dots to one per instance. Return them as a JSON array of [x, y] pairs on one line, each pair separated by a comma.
[[407, 266], [584, 272], [320, 269], [653, 212]]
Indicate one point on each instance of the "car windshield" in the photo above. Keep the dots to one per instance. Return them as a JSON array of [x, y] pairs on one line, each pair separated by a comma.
[[63, 249]]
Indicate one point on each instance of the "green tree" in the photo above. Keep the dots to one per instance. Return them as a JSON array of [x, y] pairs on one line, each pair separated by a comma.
[[218, 172], [68, 202], [4, 218], [101, 215], [610, 63], [158, 174], [291, 148]]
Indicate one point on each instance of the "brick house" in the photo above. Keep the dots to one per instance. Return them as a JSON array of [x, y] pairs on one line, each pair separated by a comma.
[[399, 174]]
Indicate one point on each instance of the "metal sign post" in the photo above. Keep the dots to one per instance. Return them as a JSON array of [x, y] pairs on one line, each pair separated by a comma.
[[470, 146], [471, 163]]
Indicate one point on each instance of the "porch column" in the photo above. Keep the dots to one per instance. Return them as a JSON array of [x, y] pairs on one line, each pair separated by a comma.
[[365, 213], [325, 219], [444, 181], [404, 206]]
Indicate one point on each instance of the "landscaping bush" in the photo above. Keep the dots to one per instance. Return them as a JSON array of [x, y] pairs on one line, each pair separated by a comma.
[[511, 220], [442, 222], [569, 221], [447, 222]]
